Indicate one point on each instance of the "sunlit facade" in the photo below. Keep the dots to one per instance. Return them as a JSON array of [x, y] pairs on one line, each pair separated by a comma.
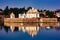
[[22, 15], [58, 14], [32, 13], [12, 15]]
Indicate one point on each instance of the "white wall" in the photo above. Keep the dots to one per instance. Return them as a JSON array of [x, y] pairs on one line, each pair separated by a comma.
[[31, 15], [58, 14]]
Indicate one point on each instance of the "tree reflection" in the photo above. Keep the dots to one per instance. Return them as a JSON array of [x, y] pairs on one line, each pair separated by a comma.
[[31, 28], [0, 27], [6, 28], [16, 29], [57, 28]]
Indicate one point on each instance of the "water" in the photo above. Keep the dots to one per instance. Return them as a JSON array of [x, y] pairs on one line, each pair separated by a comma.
[[30, 31]]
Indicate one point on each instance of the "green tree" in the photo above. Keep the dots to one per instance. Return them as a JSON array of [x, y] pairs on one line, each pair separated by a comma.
[[22, 10], [49, 14], [41, 15], [6, 11], [1, 10], [29, 8]]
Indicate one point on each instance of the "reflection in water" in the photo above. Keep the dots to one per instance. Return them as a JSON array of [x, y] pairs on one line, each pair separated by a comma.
[[12, 28], [30, 31], [31, 28], [58, 24]]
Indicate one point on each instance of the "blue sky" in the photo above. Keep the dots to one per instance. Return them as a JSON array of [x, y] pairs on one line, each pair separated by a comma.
[[38, 4]]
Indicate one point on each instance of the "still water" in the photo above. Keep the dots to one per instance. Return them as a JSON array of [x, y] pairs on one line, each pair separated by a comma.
[[30, 31]]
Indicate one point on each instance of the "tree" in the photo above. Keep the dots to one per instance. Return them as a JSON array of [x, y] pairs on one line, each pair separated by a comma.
[[1, 10], [11, 10], [29, 8], [6, 11], [15, 11], [49, 14], [41, 15], [22, 10]]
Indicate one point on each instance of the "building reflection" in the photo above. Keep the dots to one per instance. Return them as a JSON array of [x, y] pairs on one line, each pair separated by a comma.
[[12, 28], [48, 24], [31, 28], [6, 28], [1, 24], [58, 24]]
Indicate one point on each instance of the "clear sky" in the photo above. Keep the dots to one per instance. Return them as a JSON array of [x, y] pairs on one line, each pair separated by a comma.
[[38, 4]]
